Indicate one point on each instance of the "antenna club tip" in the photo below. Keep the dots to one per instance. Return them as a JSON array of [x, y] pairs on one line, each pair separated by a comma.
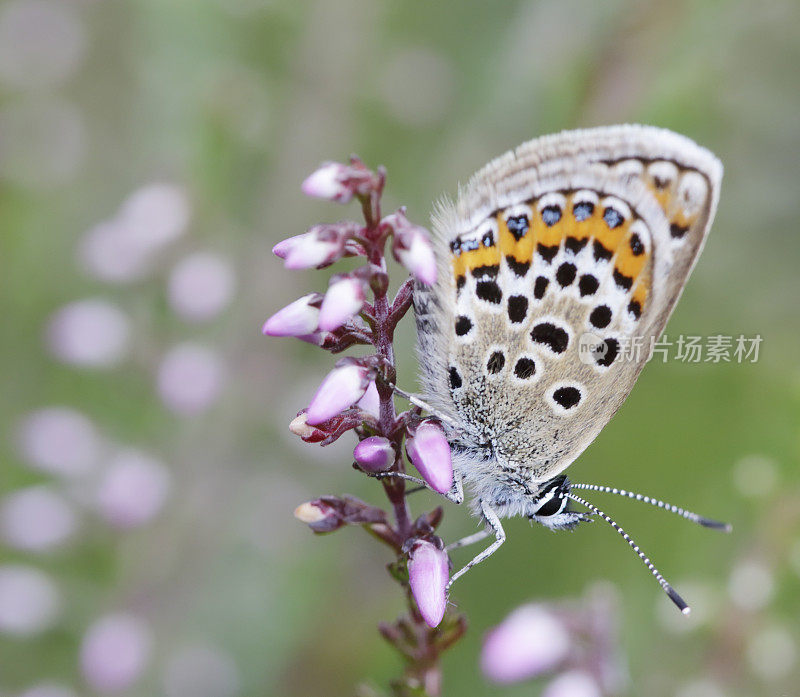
[[687, 610]]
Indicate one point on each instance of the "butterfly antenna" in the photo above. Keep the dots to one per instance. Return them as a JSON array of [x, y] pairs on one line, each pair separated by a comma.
[[668, 589], [700, 520]]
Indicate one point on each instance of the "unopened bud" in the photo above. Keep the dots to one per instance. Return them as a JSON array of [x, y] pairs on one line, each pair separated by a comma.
[[329, 181], [429, 451], [319, 516], [341, 388], [412, 248], [428, 574], [299, 318], [374, 454], [299, 426], [344, 298]]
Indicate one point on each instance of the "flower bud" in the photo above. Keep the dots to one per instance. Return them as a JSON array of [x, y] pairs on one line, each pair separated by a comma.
[[374, 454], [299, 426], [299, 318], [282, 249], [344, 298], [329, 181], [429, 450], [574, 683], [371, 401], [428, 574], [529, 642], [319, 516], [318, 247], [412, 248], [342, 388]]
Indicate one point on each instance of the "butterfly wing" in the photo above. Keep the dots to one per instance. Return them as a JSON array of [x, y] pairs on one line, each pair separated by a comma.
[[559, 264]]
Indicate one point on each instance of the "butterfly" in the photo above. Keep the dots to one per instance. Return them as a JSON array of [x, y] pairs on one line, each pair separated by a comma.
[[554, 260]]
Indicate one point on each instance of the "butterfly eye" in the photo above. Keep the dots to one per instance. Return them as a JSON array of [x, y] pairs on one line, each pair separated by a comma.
[[554, 505]]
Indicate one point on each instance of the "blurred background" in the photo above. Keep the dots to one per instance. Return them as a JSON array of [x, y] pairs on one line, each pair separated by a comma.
[[150, 156]]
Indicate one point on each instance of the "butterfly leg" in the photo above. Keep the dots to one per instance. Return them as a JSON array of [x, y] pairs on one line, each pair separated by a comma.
[[455, 495], [493, 521]]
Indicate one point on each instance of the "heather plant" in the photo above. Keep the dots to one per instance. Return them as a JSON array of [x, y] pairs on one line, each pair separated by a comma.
[[358, 396]]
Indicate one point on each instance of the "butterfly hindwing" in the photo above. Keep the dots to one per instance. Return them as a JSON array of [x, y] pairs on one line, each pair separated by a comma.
[[559, 264]]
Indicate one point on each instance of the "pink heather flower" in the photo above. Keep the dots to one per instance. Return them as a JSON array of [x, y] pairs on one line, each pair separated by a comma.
[[428, 574], [574, 683], [29, 600], [319, 516], [36, 519], [299, 318], [374, 454], [344, 298], [317, 247], [529, 642], [329, 182], [412, 248], [371, 401], [282, 249], [115, 652], [430, 453], [342, 388]]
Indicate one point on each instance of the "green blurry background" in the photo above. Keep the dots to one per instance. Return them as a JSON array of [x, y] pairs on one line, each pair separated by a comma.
[[229, 104]]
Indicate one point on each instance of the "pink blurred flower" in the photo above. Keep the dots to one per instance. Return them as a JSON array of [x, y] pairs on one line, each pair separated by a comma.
[[428, 574], [115, 652], [529, 642], [90, 333], [429, 451], [59, 441], [201, 286], [340, 389], [299, 318], [374, 454], [201, 671], [574, 683], [329, 181], [29, 600], [133, 489], [48, 689], [412, 248], [36, 519], [190, 379], [345, 298]]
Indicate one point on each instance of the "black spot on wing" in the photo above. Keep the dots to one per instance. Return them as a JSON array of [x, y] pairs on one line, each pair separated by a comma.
[[518, 226], [601, 252], [540, 286], [525, 368], [613, 217], [588, 284], [637, 247], [555, 338], [463, 325], [566, 274], [547, 252], [635, 308], [520, 268], [517, 308], [488, 270], [489, 291], [678, 231], [600, 317], [575, 245], [567, 397], [623, 281], [455, 379], [496, 362], [610, 354]]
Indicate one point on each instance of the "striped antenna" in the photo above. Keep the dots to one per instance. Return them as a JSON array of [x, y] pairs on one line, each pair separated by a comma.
[[669, 590], [700, 520]]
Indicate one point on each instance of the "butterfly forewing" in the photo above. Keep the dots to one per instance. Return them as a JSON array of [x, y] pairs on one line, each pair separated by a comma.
[[559, 265]]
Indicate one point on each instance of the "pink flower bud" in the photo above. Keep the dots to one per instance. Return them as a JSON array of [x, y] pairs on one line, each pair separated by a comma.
[[329, 181], [317, 247], [428, 574], [574, 683], [296, 319], [282, 249], [412, 248], [342, 388], [299, 426], [319, 516], [344, 298], [374, 454], [529, 642], [430, 453], [371, 401]]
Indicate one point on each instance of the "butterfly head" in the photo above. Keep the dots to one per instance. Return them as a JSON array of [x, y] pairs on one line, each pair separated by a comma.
[[550, 506]]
